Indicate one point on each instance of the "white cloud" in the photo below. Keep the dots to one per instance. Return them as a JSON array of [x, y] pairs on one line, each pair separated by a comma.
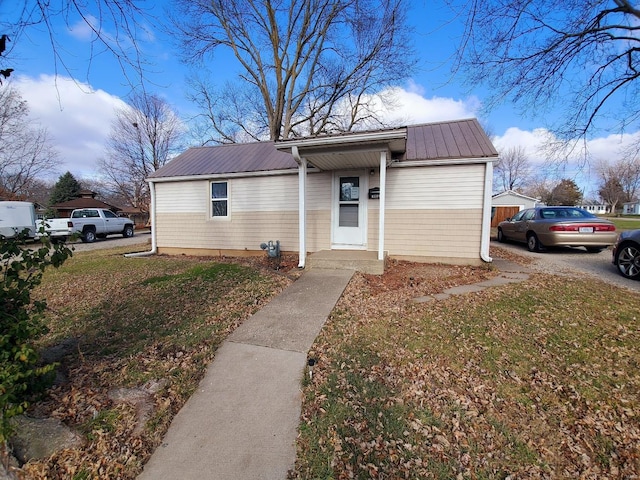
[[534, 142], [77, 117], [411, 107], [84, 29], [577, 164]]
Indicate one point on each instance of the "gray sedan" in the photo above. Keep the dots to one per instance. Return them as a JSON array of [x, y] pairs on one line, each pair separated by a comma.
[[626, 254], [542, 227]]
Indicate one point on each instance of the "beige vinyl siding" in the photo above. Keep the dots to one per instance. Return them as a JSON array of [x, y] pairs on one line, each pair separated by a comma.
[[260, 209], [438, 187], [432, 213], [319, 187], [182, 197], [245, 231], [264, 194]]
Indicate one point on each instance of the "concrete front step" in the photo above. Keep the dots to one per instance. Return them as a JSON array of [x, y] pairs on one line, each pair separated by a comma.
[[358, 260]]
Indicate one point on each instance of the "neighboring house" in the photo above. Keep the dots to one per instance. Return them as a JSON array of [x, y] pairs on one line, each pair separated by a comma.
[[85, 200], [508, 203], [418, 193], [631, 208], [596, 208], [137, 216]]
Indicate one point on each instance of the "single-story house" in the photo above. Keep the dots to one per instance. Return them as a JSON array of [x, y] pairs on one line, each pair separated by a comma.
[[631, 208], [419, 193], [136, 215], [506, 204], [596, 208], [86, 199]]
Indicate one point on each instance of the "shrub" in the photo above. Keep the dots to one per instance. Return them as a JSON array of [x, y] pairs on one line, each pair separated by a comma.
[[21, 323]]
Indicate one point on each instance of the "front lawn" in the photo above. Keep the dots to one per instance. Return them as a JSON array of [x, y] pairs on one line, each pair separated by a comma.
[[532, 380], [145, 328]]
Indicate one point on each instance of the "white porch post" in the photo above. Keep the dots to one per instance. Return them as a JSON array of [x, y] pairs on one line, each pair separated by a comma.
[[383, 190], [302, 207]]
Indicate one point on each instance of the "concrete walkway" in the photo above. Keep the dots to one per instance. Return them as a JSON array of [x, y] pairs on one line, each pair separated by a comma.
[[509, 273], [242, 422]]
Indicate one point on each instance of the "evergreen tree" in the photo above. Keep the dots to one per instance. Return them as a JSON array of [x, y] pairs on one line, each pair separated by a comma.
[[67, 188], [564, 193]]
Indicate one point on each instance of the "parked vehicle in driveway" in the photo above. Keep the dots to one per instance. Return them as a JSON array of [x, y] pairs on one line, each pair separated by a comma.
[[89, 223], [542, 227], [15, 217], [626, 254]]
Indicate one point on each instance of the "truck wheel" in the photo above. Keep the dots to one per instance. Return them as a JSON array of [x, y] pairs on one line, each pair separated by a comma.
[[89, 236], [128, 231]]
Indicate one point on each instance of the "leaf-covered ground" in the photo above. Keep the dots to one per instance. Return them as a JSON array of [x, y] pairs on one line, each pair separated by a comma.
[[531, 380], [144, 330]]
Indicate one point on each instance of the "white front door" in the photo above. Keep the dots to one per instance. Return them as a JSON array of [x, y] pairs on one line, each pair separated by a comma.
[[349, 210]]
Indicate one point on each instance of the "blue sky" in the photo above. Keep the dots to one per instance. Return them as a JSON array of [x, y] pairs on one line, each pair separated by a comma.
[[77, 108]]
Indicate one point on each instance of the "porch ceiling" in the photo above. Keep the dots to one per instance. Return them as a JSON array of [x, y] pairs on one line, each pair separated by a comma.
[[349, 151], [346, 157]]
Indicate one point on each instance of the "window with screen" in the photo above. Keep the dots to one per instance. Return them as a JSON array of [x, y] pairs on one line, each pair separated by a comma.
[[219, 199]]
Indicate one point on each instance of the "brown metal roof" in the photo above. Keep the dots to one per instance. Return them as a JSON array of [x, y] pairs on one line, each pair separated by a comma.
[[224, 159], [84, 202], [443, 140], [432, 141]]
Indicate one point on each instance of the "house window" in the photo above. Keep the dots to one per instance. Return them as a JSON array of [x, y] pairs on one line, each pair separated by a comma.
[[219, 199]]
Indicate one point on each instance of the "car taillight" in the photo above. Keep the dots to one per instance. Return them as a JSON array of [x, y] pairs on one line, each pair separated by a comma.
[[576, 227]]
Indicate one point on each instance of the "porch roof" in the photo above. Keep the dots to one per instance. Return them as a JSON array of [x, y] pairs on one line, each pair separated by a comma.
[[432, 141], [456, 139]]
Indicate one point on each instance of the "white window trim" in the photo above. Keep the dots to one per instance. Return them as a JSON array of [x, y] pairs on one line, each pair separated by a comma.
[[227, 199]]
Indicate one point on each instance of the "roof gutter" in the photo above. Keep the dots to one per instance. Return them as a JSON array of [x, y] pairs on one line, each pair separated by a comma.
[[152, 219]]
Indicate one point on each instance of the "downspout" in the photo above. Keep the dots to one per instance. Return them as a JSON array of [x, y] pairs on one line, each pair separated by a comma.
[[382, 204], [152, 219], [486, 213], [302, 207]]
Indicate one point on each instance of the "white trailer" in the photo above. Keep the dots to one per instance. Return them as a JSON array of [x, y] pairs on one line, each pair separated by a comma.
[[15, 217]]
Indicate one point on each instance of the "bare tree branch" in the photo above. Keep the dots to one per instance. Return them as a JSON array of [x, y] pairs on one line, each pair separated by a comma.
[[297, 62], [144, 137], [584, 55], [116, 27], [512, 170], [26, 153]]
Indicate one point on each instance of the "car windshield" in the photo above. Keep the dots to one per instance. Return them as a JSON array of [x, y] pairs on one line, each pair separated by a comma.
[[564, 212]]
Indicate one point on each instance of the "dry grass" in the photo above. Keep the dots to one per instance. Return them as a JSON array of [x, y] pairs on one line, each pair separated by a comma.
[[531, 380], [139, 322]]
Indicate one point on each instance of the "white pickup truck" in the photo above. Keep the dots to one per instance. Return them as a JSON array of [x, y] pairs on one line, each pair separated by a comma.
[[89, 223]]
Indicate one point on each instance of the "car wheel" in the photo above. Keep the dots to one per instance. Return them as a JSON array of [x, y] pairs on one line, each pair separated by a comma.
[[128, 231], [89, 236], [628, 260], [533, 244], [501, 238], [594, 249]]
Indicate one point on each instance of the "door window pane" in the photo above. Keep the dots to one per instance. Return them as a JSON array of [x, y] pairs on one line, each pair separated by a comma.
[[348, 215], [349, 189]]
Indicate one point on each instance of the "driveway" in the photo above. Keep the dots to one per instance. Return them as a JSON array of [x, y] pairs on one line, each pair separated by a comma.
[[138, 242], [573, 261]]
